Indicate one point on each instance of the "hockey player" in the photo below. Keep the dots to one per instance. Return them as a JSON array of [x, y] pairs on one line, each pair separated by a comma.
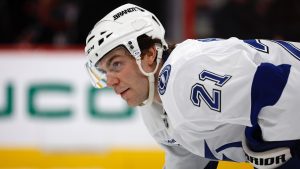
[[215, 99]]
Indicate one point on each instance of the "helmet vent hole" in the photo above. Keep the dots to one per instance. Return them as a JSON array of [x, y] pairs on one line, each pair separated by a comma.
[[100, 41], [155, 20], [90, 39], [101, 33], [108, 35]]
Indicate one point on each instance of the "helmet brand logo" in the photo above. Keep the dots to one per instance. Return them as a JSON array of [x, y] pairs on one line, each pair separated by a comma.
[[126, 11], [89, 50]]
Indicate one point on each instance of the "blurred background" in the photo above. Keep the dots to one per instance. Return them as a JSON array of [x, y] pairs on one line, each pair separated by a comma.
[[50, 115], [67, 22]]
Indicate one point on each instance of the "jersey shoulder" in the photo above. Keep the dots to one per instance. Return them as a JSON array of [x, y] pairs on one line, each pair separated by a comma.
[[197, 74]]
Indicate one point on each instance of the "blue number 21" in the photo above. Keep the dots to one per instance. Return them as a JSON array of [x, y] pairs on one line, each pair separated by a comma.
[[199, 92]]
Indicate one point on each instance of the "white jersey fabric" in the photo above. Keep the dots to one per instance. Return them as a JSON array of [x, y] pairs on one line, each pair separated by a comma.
[[176, 156], [211, 90]]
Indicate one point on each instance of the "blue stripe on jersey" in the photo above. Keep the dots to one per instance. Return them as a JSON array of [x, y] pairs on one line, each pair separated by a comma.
[[288, 46], [210, 155], [229, 145], [267, 86], [225, 158], [256, 44]]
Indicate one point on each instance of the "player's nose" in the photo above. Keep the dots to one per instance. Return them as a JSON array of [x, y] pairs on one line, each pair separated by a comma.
[[112, 80]]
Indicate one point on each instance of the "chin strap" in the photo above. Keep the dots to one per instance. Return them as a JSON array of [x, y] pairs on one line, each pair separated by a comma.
[[150, 75]]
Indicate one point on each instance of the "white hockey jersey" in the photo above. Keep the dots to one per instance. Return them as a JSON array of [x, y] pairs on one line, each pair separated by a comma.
[[211, 90], [176, 156]]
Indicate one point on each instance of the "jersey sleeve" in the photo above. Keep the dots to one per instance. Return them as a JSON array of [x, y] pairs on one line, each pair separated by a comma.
[[224, 143], [177, 158]]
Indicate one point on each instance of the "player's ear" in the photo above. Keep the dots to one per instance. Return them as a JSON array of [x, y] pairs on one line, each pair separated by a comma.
[[149, 59], [150, 56]]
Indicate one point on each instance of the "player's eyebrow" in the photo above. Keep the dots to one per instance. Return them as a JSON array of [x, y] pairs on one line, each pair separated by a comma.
[[111, 59], [106, 64]]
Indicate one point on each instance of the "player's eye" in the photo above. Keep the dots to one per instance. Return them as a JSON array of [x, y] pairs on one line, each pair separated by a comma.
[[115, 66]]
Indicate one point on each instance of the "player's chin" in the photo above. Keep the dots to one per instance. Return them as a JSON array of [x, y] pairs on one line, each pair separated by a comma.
[[130, 102], [133, 102], [130, 99]]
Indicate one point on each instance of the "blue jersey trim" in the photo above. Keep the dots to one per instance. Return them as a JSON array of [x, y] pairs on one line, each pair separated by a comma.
[[268, 84], [257, 144], [256, 44], [210, 155], [229, 145], [225, 158], [289, 47]]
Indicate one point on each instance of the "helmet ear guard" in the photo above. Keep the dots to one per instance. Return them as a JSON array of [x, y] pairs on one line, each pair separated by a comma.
[[133, 47]]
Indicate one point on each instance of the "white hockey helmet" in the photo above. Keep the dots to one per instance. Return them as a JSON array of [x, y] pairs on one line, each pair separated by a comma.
[[122, 26]]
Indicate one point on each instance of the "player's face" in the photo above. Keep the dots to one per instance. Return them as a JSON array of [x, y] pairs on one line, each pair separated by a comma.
[[124, 76]]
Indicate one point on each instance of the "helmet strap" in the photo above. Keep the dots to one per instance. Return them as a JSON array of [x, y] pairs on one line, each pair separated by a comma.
[[150, 75]]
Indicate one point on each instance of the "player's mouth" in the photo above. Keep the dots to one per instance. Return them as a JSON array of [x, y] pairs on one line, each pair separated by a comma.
[[123, 93]]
